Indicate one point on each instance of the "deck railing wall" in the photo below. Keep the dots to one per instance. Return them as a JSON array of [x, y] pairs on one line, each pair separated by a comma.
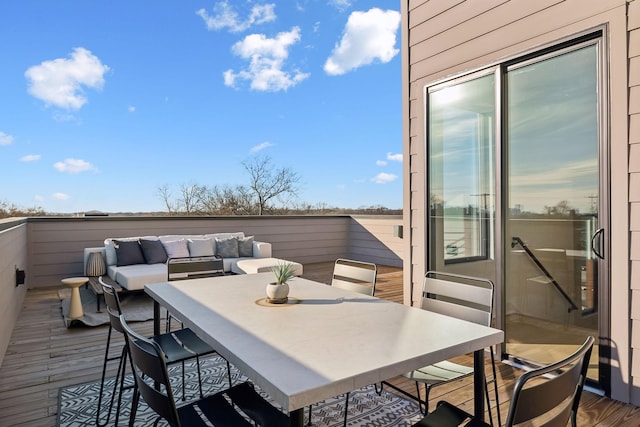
[[49, 248], [13, 255]]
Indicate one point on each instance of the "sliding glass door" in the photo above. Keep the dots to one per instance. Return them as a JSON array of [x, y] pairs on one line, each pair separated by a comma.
[[516, 171]]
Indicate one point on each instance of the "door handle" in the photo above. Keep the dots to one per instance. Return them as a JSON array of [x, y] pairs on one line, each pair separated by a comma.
[[599, 232]]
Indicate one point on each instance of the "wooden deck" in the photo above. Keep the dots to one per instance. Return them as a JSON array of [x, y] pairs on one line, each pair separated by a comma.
[[44, 355]]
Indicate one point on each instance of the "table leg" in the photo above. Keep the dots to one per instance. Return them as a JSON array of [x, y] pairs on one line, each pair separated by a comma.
[[478, 384], [156, 318], [297, 418]]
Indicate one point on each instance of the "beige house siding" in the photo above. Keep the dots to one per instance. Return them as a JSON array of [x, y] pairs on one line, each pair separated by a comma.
[[13, 254], [634, 189], [449, 38]]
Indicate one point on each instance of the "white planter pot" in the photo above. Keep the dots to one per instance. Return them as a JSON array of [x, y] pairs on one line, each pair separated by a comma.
[[277, 294]]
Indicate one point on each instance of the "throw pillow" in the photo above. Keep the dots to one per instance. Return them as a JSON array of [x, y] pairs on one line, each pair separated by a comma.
[[153, 251], [245, 246], [128, 253], [227, 248], [200, 247], [176, 248]]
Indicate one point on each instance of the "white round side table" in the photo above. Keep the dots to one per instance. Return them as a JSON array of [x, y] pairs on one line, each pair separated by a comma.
[[75, 306]]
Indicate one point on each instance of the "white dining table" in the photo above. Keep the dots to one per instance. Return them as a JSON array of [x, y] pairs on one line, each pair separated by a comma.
[[323, 342]]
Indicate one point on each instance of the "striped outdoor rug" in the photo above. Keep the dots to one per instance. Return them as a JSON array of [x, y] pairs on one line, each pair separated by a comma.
[[77, 404]]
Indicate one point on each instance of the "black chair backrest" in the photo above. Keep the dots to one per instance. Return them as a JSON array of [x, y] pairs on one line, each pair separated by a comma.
[[556, 399], [112, 302], [151, 375]]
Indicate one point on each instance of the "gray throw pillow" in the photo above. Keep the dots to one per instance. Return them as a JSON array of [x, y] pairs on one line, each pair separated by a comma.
[[227, 248], [153, 251], [128, 253], [245, 246]]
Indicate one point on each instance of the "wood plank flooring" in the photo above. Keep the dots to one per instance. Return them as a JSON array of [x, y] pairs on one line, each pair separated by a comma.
[[44, 355]]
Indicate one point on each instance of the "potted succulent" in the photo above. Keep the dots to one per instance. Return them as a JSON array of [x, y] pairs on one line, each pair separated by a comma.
[[278, 291]]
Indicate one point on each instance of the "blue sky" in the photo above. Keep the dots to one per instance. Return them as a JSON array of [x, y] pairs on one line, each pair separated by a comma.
[[103, 102]]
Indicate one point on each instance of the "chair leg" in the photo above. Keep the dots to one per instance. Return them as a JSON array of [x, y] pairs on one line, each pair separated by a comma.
[[495, 387], [346, 409], [199, 376], [108, 359], [229, 374], [184, 391]]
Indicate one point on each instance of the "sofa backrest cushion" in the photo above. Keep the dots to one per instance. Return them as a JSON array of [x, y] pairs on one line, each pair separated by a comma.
[[153, 251], [110, 250], [245, 246], [200, 247], [227, 248], [128, 252], [176, 248]]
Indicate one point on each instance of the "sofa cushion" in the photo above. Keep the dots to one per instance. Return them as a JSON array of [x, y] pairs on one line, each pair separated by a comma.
[[176, 248], [134, 277], [153, 251], [245, 246], [110, 250], [227, 248], [200, 247], [128, 252]]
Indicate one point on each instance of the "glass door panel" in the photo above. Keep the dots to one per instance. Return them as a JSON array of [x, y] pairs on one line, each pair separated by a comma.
[[461, 168], [551, 205]]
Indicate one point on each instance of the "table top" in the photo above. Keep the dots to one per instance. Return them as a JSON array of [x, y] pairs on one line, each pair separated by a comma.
[[330, 341]]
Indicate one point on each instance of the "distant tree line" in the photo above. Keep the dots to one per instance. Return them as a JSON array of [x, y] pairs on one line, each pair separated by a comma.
[[9, 210], [270, 191]]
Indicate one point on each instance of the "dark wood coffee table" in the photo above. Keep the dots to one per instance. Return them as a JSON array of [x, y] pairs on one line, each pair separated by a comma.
[[96, 288]]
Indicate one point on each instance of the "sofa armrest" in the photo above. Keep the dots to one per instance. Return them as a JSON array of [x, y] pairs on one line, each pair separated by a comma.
[[261, 250]]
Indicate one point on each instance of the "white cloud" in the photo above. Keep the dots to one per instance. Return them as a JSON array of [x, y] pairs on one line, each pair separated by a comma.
[[394, 157], [5, 139], [131, 109], [38, 198], [260, 147], [73, 166], [340, 4], [266, 58], [381, 163], [30, 158], [60, 81], [384, 178], [368, 36], [225, 17], [60, 196]]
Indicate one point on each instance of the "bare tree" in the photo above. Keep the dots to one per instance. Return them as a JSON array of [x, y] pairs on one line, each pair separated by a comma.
[[191, 196], [268, 183], [164, 192]]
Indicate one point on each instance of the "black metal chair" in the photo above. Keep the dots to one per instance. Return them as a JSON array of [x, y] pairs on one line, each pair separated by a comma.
[[463, 297], [152, 383], [177, 347], [549, 396], [355, 276], [191, 268]]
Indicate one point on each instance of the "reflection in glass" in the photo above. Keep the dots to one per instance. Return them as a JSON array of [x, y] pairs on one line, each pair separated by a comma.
[[552, 205], [461, 170]]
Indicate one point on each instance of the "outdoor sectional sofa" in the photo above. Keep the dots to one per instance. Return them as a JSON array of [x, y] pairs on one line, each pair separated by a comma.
[[133, 262]]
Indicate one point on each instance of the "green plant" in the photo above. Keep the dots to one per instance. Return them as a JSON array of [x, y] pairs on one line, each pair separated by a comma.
[[283, 272]]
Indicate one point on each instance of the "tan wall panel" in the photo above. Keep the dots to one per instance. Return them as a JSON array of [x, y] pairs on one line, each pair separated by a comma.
[[634, 15], [373, 240], [634, 71], [634, 100], [634, 129], [635, 254], [634, 187], [634, 157], [634, 43], [13, 253], [426, 11]]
